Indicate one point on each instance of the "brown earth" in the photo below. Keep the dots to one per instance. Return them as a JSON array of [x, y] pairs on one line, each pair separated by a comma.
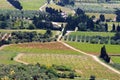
[[47, 45]]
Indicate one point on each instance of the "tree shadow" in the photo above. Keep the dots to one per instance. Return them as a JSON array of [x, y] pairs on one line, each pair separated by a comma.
[[16, 4]]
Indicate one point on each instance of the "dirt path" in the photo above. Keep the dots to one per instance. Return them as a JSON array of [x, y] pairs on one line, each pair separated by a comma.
[[41, 8], [17, 59], [3, 46], [94, 57]]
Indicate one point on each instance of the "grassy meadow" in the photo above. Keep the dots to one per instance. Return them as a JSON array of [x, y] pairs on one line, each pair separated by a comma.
[[7, 57], [115, 59], [95, 48], [32, 4], [5, 5]]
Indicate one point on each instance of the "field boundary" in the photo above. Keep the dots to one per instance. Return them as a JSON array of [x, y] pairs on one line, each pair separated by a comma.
[[20, 61], [94, 57]]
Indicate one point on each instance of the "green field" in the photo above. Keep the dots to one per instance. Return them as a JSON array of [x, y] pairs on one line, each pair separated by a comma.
[[103, 34], [32, 4], [95, 48], [5, 5], [57, 53], [83, 65], [115, 59], [7, 57]]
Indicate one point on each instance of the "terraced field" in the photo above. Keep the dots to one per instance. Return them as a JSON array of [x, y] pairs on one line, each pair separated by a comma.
[[57, 53]]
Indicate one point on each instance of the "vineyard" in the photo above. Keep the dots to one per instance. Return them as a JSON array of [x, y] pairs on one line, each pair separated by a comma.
[[83, 65], [56, 53], [34, 47], [91, 37]]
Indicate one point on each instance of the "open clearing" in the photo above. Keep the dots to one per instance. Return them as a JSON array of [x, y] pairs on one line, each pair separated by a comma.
[[32, 4], [5, 5]]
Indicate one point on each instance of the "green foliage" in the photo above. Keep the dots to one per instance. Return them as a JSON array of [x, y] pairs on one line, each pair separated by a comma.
[[20, 37], [31, 72]]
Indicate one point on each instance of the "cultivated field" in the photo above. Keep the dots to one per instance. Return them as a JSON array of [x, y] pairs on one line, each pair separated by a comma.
[[83, 65], [52, 47], [3, 31], [95, 48], [5, 5], [32, 4], [57, 53]]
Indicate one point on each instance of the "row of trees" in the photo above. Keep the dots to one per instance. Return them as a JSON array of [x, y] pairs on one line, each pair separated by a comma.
[[95, 39]]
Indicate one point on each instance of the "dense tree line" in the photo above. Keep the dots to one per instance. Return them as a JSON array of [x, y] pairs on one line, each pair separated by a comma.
[[85, 23], [16, 4], [21, 37], [35, 72]]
